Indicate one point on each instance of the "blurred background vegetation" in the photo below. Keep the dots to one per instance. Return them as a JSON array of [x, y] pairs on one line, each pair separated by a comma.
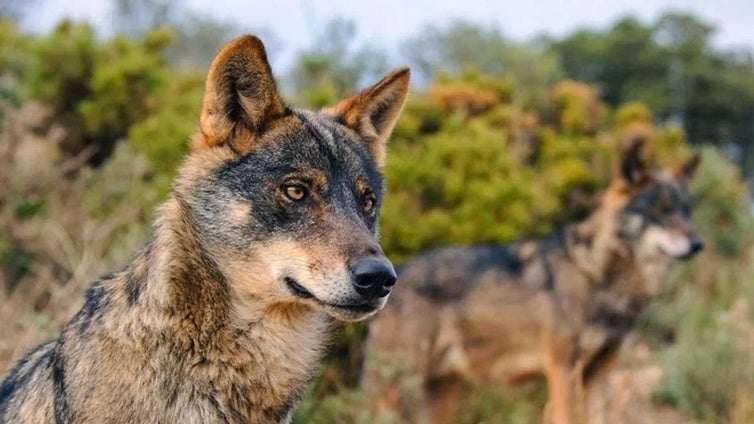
[[500, 140]]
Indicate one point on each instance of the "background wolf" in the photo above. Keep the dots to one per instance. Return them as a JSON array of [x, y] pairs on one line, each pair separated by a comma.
[[268, 235], [559, 307]]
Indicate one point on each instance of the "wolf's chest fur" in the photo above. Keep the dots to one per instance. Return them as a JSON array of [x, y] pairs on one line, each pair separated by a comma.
[[180, 354]]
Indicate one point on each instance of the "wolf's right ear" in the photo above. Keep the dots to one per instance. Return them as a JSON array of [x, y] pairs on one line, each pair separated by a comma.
[[630, 167], [373, 112], [686, 171], [240, 97]]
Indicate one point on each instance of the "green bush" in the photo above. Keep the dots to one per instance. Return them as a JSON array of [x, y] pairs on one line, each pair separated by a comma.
[[469, 181], [163, 137], [14, 62], [722, 212], [464, 188], [98, 89], [63, 65]]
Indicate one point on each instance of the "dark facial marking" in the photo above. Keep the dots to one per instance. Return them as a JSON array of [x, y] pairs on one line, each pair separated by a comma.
[[327, 167], [658, 204], [367, 183], [58, 379], [297, 289]]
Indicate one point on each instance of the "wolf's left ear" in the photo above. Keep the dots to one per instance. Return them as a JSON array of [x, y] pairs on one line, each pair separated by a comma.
[[372, 113], [630, 167], [240, 97], [686, 171]]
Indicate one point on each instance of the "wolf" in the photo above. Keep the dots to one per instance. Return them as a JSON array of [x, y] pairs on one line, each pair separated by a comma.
[[267, 240], [557, 307]]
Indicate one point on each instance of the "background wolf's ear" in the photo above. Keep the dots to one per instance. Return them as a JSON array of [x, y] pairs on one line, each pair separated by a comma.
[[630, 167], [686, 171], [240, 97], [374, 111]]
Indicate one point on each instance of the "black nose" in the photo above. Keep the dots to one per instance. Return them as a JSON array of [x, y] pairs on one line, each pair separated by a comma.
[[373, 277], [696, 246]]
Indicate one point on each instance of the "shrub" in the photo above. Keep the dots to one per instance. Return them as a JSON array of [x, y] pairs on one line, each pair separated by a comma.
[[98, 90]]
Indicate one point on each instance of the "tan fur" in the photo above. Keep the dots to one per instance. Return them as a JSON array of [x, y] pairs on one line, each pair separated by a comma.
[[558, 308]]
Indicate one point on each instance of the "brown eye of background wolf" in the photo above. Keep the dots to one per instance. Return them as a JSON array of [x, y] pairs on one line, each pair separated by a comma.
[[295, 192], [368, 204]]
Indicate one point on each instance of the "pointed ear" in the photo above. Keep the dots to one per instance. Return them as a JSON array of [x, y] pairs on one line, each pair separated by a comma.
[[686, 171], [240, 98], [372, 113], [630, 168]]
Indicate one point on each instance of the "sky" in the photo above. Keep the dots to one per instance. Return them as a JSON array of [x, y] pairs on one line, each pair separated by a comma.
[[385, 23]]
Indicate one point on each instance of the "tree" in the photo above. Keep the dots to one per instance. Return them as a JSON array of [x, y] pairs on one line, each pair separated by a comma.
[[464, 46], [458, 46], [333, 67], [673, 68], [624, 62], [96, 89]]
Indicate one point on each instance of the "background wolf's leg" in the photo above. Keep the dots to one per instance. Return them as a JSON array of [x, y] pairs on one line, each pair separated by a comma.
[[442, 400]]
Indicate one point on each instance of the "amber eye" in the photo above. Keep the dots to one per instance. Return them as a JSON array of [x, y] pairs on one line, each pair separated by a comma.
[[368, 204], [294, 191]]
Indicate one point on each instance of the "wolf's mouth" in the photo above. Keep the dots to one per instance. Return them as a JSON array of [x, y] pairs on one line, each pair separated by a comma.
[[684, 257], [360, 308], [299, 291]]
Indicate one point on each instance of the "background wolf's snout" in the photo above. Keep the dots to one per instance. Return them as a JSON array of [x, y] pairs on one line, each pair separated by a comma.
[[696, 246], [373, 277]]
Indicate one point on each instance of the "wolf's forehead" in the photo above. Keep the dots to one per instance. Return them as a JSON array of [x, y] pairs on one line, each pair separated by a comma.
[[308, 145], [335, 145], [326, 130], [661, 191], [673, 188]]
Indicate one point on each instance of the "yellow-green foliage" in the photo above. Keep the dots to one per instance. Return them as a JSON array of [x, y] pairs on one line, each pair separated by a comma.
[[13, 63], [457, 175], [63, 66], [123, 82], [722, 212], [578, 107], [471, 93], [12, 44], [163, 136], [463, 188], [630, 113], [98, 89]]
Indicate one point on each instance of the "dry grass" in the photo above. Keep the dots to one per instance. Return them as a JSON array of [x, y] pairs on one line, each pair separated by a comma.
[[52, 245]]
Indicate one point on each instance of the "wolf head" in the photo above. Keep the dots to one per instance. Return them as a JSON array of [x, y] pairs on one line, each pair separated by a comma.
[[287, 200], [655, 217]]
